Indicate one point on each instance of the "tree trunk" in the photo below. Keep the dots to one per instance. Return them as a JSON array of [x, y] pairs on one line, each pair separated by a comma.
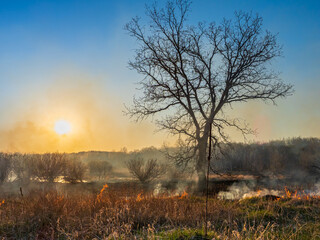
[[201, 164]]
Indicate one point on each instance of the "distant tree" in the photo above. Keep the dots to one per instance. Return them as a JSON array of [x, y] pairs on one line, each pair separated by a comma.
[[5, 165], [195, 73], [99, 168], [75, 171], [22, 166], [145, 171], [48, 166], [124, 150]]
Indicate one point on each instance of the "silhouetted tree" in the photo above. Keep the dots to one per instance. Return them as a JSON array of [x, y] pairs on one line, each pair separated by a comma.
[[75, 171], [48, 166], [195, 73], [145, 171]]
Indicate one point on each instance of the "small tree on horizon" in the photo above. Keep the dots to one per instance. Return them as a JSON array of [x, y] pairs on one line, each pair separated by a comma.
[[75, 171], [145, 171], [48, 166]]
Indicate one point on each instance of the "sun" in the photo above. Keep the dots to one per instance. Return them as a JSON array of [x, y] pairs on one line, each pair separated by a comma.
[[62, 127]]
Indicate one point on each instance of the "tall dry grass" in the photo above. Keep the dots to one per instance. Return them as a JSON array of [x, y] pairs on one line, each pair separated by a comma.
[[121, 213]]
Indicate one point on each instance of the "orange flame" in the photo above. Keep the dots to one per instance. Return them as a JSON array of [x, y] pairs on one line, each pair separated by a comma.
[[139, 198], [183, 195], [288, 193], [99, 196], [259, 193], [299, 196]]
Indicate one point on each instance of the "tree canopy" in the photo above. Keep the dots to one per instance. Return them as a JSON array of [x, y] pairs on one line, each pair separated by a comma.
[[193, 73]]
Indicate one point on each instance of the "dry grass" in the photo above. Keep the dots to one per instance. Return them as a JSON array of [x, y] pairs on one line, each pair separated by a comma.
[[119, 213]]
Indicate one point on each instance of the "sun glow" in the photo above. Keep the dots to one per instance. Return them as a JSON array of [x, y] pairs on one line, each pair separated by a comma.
[[62, 127]]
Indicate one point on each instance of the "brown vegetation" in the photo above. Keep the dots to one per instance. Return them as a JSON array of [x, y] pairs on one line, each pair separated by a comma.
[[74, 171], [119, 213], [48, 166]]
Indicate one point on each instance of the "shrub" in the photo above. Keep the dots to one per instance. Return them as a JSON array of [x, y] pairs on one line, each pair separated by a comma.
[[147, 171], [75, 171], [48, 166]]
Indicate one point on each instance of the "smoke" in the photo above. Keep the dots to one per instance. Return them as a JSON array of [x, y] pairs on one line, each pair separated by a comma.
[[181, 186], [93, 110], [27, 137], [242, 191], [296, 116], [236, 191], [317, 189], [248, 190]]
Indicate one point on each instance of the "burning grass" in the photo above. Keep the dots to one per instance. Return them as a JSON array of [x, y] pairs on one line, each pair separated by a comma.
[[123, 214]]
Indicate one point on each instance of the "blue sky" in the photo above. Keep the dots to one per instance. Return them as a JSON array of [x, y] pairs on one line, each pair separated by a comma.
[[62, 45]]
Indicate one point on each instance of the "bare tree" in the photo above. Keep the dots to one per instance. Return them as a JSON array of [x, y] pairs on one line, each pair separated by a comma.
[[48, 166], [147, 171], [195, 73], [75, 171]]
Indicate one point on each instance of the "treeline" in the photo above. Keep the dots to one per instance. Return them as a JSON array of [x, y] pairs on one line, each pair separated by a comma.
[[296, 157], [70, 167], [50, 167], [118, 159]]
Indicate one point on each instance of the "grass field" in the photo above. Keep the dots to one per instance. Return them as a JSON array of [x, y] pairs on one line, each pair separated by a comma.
[[126, 213]]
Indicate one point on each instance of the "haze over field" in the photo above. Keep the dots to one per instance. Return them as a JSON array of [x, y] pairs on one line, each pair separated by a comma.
[[68, 61], [86, 87]]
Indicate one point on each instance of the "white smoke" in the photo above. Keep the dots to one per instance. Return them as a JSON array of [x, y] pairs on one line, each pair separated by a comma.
[[236, 191], [243, 190]]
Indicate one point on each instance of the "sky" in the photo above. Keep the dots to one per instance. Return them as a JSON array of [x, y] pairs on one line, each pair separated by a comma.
[[68, 60]]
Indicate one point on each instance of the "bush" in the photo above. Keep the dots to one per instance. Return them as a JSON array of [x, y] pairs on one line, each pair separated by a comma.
[[48, 166], [75, 171], [147, 171]]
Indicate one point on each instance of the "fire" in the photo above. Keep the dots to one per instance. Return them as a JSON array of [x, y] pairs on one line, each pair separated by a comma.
[[284, 194], [299, 195], [296, 194], [183, 195], [288, 193], [139, 198], [2, 202], [180, 196], [99, 196], [175, 196]]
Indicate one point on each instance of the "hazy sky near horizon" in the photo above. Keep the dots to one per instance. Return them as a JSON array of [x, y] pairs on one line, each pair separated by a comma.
[[69, 60]]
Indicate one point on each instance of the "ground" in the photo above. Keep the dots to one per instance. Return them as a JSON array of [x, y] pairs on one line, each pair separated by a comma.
[[126, 212]]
